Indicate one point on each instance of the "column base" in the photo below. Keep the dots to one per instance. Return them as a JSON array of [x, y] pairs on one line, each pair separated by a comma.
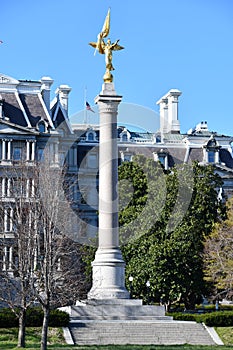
[[108, 270]]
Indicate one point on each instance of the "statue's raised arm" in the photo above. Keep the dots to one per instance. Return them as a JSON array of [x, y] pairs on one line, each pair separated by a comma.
[[106, 48]]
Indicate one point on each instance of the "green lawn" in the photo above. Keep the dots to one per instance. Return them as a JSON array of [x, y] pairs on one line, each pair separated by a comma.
[[226, 334], [8, 340]]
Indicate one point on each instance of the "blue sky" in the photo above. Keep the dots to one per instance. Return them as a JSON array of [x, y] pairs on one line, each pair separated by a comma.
[[183, 44]]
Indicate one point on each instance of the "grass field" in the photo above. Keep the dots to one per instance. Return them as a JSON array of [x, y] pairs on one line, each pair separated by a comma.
[[8, 340]]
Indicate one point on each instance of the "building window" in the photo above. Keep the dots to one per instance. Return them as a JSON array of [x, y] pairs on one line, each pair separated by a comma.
[[8, 219], [126, 156], [41, 126], [91, 136], [17, 153], [211, 157], [161, 159], [124, 137], [211, 151]]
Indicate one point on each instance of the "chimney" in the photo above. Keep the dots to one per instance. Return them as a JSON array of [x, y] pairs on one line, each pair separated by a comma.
[[62, 92], [169, 122], [173, 121], [45, 90], [163, 115]]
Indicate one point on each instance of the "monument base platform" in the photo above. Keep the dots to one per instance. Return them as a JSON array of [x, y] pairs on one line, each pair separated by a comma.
[[116, 309]]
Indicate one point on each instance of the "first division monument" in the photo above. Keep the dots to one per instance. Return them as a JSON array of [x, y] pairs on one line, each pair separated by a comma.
[[108, 315], [108, 268]]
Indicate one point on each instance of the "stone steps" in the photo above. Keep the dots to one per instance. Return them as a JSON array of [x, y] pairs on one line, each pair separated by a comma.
[[139, 332]]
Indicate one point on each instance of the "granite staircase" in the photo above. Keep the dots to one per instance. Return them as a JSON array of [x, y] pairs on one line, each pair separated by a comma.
[[139, 332], [130, 322]]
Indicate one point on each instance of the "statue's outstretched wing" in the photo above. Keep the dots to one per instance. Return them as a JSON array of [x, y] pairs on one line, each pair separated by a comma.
[[99, 46], [117, 47], [93, 44]]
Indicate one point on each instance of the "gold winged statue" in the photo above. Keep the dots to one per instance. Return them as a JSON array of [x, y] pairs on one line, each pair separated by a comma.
[[106, 48]]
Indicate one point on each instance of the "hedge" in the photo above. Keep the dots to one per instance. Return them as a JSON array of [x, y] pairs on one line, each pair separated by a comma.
[[34, 318], [219, 319], [213, 319]]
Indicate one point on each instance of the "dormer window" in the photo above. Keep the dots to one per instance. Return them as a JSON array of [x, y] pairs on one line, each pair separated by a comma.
[[91, 136], [41, 126], [124, 135], [211, 151], [162, 157], [126, 156]]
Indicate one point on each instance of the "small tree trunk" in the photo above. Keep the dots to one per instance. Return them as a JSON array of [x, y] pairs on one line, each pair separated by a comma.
[[44, 333], [21, 332], [167, 306]]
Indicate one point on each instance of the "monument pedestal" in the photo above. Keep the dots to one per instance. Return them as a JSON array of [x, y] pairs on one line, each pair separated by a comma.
[[108, 277]]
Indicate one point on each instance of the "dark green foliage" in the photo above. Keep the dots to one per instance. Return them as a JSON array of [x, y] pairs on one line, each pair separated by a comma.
[[8, 319], [186, 317], [164, 222], [212, 319], [58, 318], [219, 319], [34, 318]]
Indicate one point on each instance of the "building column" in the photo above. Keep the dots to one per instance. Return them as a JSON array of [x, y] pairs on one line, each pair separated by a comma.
[[27, 188], [3, 186], [33, 151], [10, 259], [56, 154], [27, 150], [9, 150], [216, 156], [108, 267], [4, 263], [166, 162], [3, 149], [33, 188], [8, 187]]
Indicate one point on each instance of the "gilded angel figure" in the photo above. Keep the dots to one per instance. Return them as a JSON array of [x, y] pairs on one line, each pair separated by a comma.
[[106, 47]]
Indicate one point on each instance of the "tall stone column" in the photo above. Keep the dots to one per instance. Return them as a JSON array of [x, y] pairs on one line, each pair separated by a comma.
[[108, 267]]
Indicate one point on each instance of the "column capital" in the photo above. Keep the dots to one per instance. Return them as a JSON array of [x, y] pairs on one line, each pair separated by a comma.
[[108, 94]]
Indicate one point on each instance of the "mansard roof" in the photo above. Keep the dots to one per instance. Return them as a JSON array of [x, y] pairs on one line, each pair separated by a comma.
[[226, 158], [23, 104], [13, 110], [34, 109]]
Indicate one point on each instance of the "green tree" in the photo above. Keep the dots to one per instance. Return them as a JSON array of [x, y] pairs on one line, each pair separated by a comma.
[[163, 226], [219, 254]]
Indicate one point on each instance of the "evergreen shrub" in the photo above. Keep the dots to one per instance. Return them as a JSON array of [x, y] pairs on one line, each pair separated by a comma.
[[213, 319], [34, 318]]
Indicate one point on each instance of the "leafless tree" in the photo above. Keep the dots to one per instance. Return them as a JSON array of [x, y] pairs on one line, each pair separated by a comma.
[[59, 278], [18, 242], [47, 265]]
